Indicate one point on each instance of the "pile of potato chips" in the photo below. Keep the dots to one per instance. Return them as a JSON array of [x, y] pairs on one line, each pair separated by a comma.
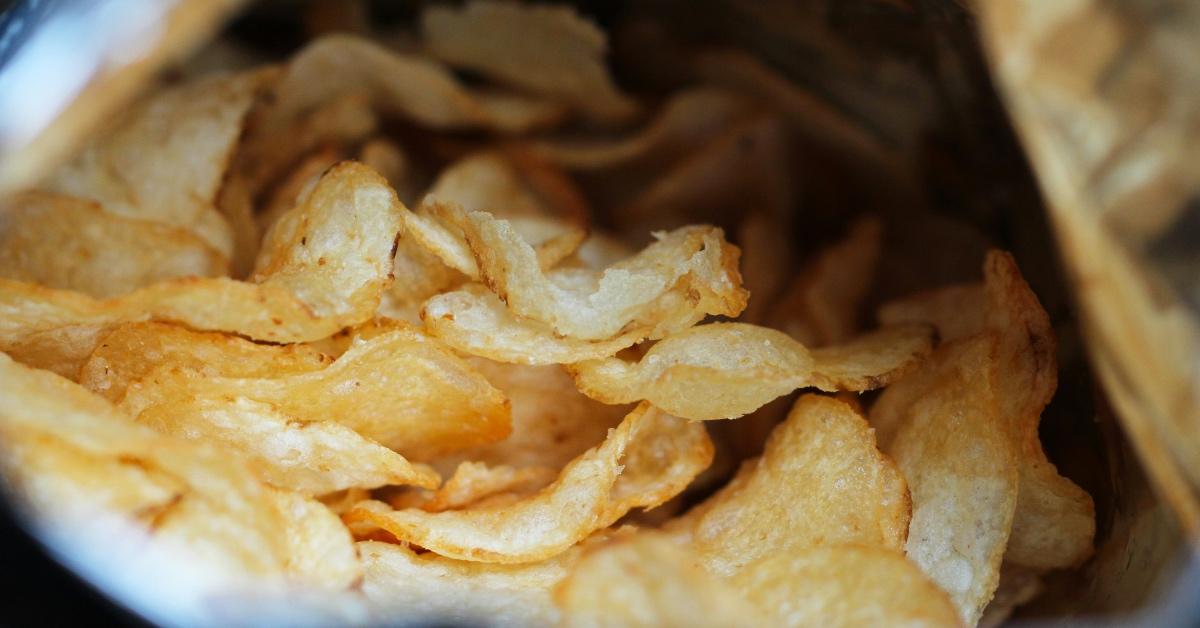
[[354, 339]]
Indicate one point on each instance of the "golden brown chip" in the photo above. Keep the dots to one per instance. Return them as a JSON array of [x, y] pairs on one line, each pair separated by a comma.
[[323, 267], [400, 389], [819, 481], [552, 422], [131, 351], [821, 306], [400, 582], [311, 458], [844, 585], [1055, 520], [645, 580], [660, 453], [82, 467], [542, 49], [473, 482], [164, 161], [320, 550], [955, 451], [70, 244], [725, 370]]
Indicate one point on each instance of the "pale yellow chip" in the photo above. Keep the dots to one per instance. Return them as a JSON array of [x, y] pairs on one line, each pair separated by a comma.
[[487, 181], [410, 86], [1055, 520], [671, 284], [312, 458], [71, 244], [546, 50], [1018, 585], [645, 461], [90, 475], [165, 160], [552, 422], [819, 481], [473, 482], [685, 122], [821, 306], [389, 159], [131, 351], [427, 587], [844, 585], [725, 370], [295, 184], [320, 549], [400, 389], [323, 267], [955, 451], [645, 580]]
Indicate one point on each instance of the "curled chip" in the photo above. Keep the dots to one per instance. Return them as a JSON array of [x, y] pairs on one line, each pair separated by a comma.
[[312, 458], [649, 458], [725, 370], [473, 482], [70, 244], [645, 580], [954, 448], [683, 276], [436, 227], [413, 87], [166, 159], [434, 588], [546, 50], [132, 351], [819, 481], [400, 389], [821, 306], [844, 585], [1055, 520], [321, 269], [320, 549], [552, 422], [120, 492], [488, 181], [685, 122]]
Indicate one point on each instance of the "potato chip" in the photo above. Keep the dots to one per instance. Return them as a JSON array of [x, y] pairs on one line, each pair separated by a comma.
[[685, 122], [320, 549], [766, 265], [294, 185], [487, 181], [1018, 585], [428, 587], [312, 458], [189, 499], [400, 389], [165, 160], [692, 264], [1055, 520], [552, 422], [661, 455], [129, 352], [388, 159], [954, 448], [323, 268], [70, 244], [413, 87], [475, 321], [546, 50], [821, 306], [820, 481], [844, 585], [645, 580], [473, 481], [747, 165], [725, 370]]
